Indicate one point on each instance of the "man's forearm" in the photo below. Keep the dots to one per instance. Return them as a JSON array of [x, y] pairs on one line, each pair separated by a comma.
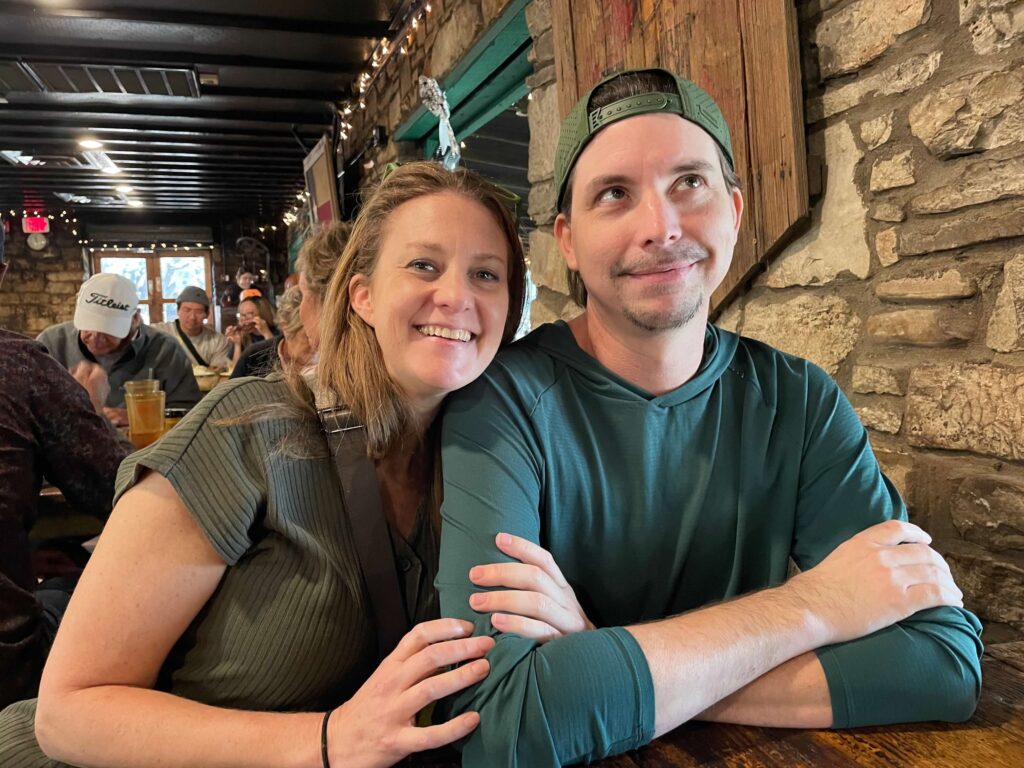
[[700, 658], [793, 695]]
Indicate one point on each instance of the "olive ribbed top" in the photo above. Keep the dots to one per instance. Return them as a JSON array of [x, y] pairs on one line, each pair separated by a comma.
[[288, 628]]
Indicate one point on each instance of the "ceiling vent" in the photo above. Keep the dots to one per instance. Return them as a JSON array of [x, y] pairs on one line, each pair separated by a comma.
[[113, 80]]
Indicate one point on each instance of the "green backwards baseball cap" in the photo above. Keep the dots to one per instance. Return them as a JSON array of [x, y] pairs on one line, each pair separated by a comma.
[[689, 101]]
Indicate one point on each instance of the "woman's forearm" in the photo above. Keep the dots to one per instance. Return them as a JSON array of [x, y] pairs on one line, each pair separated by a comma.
[[118, 726]]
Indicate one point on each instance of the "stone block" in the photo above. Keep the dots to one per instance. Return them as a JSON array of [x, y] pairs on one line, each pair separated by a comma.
[[542, 202], [876, 379], [550, 306], [975, 182], [979, 111], [862, 31], [835, 242], [951, 284], [967, 407], [880, 418], [923, 327], [32, 284], [888, 212], [874, 133], [541, 77], [899, 468], [493, 8], [538, 17], [995, 221], [546, 263], [63, 289], [893, 172], [730, 317], [989, 510], [67, 276], [1006, 326], [899, 78], [822, 329], [995, 25], [544, 123], [455, 37], [544, 48], [885, 247], [994, 590]]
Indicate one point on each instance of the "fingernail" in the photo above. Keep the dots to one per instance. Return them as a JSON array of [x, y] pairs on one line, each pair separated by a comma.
[[504, 540], [477, 599], [476, 572], [480, 666]]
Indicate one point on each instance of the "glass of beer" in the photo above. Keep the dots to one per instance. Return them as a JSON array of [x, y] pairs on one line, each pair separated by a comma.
[[145, 416]]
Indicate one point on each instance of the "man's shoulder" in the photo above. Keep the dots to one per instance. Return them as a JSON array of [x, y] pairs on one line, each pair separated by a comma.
[[157, 343], [166, 327], [774, 371], [528, 362]]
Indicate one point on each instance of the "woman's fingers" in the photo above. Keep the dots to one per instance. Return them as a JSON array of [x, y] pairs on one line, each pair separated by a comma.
[[437, 687], [532, 554], [435, 736], [441, 655], [428, 633]]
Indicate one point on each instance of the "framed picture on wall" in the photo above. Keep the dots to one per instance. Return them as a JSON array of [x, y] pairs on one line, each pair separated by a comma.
[[323, 192]]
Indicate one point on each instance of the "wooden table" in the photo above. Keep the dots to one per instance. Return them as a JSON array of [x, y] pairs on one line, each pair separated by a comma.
[[993, 738]]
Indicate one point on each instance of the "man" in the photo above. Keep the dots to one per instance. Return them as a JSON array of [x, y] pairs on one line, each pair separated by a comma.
[[672, 470], [108, 330], [48, 428], [203, 345]]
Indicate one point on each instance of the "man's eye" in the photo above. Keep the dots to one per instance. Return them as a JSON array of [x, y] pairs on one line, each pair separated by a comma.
[[692, 181], [612, 194]]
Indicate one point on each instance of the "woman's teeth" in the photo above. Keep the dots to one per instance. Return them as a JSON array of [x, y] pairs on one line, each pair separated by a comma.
[[445, 333]]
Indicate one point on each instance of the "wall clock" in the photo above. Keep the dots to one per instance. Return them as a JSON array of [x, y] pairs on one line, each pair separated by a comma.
[[37, 241]]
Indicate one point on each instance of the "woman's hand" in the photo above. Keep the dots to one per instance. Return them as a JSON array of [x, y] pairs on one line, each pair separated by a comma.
[[261, 327], [537, 601], [233, 334], [377, 726]]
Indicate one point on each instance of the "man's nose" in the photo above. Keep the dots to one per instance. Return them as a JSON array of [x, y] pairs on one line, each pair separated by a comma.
[[658, 220]]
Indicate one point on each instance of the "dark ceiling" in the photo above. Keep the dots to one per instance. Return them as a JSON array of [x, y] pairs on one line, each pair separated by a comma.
[[204, 106]]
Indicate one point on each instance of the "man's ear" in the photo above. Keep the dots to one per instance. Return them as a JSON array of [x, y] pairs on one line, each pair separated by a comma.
[[361, 298], [563, 236]]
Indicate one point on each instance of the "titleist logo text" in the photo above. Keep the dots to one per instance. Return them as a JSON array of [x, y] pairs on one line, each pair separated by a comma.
[[105, 301]]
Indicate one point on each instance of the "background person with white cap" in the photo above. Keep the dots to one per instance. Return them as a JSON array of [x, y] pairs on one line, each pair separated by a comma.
[[108, 332], [203, 345]]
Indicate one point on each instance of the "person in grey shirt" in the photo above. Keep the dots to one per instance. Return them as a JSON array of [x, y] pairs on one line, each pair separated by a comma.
[[108, 331], [203, 345]]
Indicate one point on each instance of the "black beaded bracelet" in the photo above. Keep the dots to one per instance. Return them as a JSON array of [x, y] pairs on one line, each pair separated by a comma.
[[323, 739]]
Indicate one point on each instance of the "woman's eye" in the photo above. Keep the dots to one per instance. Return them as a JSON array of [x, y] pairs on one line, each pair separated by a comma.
[[421, 265], [612, 194], [487, 274]]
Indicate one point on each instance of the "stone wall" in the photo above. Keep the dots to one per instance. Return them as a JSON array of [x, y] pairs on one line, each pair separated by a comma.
[[908, 286], [40, 287]]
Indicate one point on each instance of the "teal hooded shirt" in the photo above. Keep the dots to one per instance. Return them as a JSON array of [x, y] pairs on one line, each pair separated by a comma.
[[653, 506]]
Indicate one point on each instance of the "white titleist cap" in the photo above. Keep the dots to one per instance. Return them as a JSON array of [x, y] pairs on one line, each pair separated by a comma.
[[106, 304]]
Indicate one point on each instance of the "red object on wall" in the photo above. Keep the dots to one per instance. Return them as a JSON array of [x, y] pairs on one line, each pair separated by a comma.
[[31, 224]]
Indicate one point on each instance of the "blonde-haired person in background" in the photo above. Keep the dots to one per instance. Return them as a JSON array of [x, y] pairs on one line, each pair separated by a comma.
[[317, 259], [224, 612]]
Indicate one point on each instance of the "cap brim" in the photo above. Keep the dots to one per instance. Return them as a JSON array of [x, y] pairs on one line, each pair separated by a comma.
[[98, 321]]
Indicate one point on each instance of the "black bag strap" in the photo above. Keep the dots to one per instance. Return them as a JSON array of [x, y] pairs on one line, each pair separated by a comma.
[[188, 343], [347, 440]]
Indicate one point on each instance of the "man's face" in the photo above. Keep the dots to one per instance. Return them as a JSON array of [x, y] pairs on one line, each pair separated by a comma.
[[100, 344], [245, 281], [192, 316], [653, 224]]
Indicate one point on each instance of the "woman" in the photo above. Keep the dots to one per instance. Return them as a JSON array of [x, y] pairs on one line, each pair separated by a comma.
[[223, 612], [256, 322], [317, 259], [291, 348]]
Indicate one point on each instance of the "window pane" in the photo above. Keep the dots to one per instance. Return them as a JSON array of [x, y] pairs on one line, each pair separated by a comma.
[[144, 311], [131, 267], [179, 272], [170, 311]]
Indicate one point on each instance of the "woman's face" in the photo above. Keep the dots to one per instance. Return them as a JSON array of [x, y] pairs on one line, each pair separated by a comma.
[[248, 313], [309, 311], [438, 297]]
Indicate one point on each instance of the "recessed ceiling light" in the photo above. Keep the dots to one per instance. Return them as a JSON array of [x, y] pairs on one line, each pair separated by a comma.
[[90, 144], [136, 203], [110, 170], [124, 189]]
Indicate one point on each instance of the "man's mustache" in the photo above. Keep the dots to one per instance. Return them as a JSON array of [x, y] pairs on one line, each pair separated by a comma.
[[662, 259]]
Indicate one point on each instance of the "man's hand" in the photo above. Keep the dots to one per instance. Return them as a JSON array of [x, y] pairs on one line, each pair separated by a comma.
[[94, 379], [118, 416], [880, 576]]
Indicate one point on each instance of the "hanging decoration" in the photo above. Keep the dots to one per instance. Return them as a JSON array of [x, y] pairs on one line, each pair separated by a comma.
[[436, 103]]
